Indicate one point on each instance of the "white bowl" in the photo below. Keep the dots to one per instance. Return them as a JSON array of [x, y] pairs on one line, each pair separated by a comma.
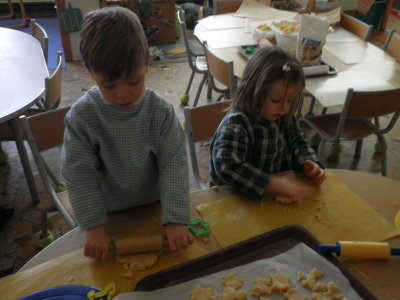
[[262, 29], [287, 40]]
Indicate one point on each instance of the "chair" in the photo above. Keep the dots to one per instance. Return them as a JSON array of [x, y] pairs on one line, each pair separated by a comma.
[[44, 131], [200, 124], [221, 72], [51, 100], [392, 45], [197, 63], [359, 28], [40, 34], [358, 119], [223, 6]]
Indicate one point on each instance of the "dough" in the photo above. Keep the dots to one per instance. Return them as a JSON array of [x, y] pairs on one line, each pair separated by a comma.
[[262, 287], [280, 281], [311, 279], [232, 280], [230, 293], [294, 294], [202, 293], [136, 262]]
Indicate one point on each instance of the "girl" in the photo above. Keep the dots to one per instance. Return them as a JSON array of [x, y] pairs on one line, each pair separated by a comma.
[[259, 137]]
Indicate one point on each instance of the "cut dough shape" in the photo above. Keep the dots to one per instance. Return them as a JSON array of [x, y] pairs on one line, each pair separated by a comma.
[[280, 281], [333, 292], [262, 287], [232, 280], [230, 293], [294, 294], [202, 293], [311, 279], [137, 262]]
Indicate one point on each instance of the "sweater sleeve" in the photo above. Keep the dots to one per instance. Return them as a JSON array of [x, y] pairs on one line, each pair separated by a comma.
[[80, 169], [231, 165], [173, 171]]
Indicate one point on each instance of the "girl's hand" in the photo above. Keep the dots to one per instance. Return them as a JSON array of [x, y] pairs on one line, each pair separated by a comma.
[[314, 171], [284, 185], [178, 236], [98, 243]]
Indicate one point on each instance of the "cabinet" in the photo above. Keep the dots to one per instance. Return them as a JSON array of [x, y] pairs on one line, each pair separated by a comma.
[[160, 28]]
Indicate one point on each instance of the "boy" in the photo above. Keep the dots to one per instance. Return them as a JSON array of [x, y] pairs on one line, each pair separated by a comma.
[[123, 144]]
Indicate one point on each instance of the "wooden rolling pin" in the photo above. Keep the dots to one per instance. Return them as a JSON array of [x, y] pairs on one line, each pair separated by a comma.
[[372, 250], [138, 244]]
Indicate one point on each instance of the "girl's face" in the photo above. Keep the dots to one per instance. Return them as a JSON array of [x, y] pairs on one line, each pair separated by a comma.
[[123, 91], [279, 99]]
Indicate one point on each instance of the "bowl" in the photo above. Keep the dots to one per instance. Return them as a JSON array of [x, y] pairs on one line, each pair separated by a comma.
[[262, 29], [286, 35]]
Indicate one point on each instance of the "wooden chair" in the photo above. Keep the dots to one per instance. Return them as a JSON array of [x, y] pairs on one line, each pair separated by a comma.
[[226, 6], [392, 45], [44, 131], [358, 119], [40, 34], [197, 63], [200, 124], [359, 28], [220, 72]]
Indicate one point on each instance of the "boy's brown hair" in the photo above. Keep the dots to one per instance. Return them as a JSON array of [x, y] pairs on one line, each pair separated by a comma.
[[113, 43], [265, 67]]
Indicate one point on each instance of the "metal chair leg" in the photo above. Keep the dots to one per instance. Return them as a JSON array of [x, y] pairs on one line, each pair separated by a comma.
[[199, 90]]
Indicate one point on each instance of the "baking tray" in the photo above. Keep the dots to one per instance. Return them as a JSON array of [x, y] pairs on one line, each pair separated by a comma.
[[260, 247], [244, 51]]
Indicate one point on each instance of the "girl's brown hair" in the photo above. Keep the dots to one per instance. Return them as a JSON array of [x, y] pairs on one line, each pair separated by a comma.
[[113, 43], [265, 67]]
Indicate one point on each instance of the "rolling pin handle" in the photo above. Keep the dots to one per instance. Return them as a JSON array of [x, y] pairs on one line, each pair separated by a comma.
[[329, 249], [395, 251]]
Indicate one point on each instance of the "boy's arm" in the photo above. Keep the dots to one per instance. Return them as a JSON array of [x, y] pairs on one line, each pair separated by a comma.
[[80, 171], [173, 171]]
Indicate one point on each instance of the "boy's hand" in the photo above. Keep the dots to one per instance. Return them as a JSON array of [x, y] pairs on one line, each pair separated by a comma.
[[178, 236], [314, 171], [98, 243], [284, 185]]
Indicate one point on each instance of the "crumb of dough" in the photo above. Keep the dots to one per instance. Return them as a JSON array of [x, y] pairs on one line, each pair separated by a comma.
[[280, 281], [137, 262], [262, 287], [284, 200], [320, 287], [311, 279], [202, 293], [232, 280], [230, 293], [333, 292], [294, 294], [300, 276]]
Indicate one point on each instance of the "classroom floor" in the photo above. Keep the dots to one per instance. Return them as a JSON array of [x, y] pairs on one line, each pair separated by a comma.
[[17, 235]]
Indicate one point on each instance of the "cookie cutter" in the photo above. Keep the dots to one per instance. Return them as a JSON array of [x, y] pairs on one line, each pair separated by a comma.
[[204, 231]]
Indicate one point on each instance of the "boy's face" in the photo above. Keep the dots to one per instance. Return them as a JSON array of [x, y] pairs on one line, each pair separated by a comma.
[[279, 99], [123, 91]]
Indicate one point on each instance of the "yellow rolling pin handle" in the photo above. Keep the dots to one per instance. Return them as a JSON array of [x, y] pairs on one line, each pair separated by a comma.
[[364, 250], [138, 244], [349, 249]]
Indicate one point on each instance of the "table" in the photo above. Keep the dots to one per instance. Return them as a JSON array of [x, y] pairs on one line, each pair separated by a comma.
[[22, 76], [360, 64], [379, 276]]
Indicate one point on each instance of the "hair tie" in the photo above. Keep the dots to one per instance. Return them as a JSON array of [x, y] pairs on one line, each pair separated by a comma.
[[286, 67]]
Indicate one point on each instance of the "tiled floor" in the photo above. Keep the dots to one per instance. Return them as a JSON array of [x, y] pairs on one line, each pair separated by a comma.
[[18, 242]]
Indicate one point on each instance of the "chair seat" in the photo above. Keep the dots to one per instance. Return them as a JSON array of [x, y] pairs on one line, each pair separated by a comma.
[[201, 63], [353, 128]]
